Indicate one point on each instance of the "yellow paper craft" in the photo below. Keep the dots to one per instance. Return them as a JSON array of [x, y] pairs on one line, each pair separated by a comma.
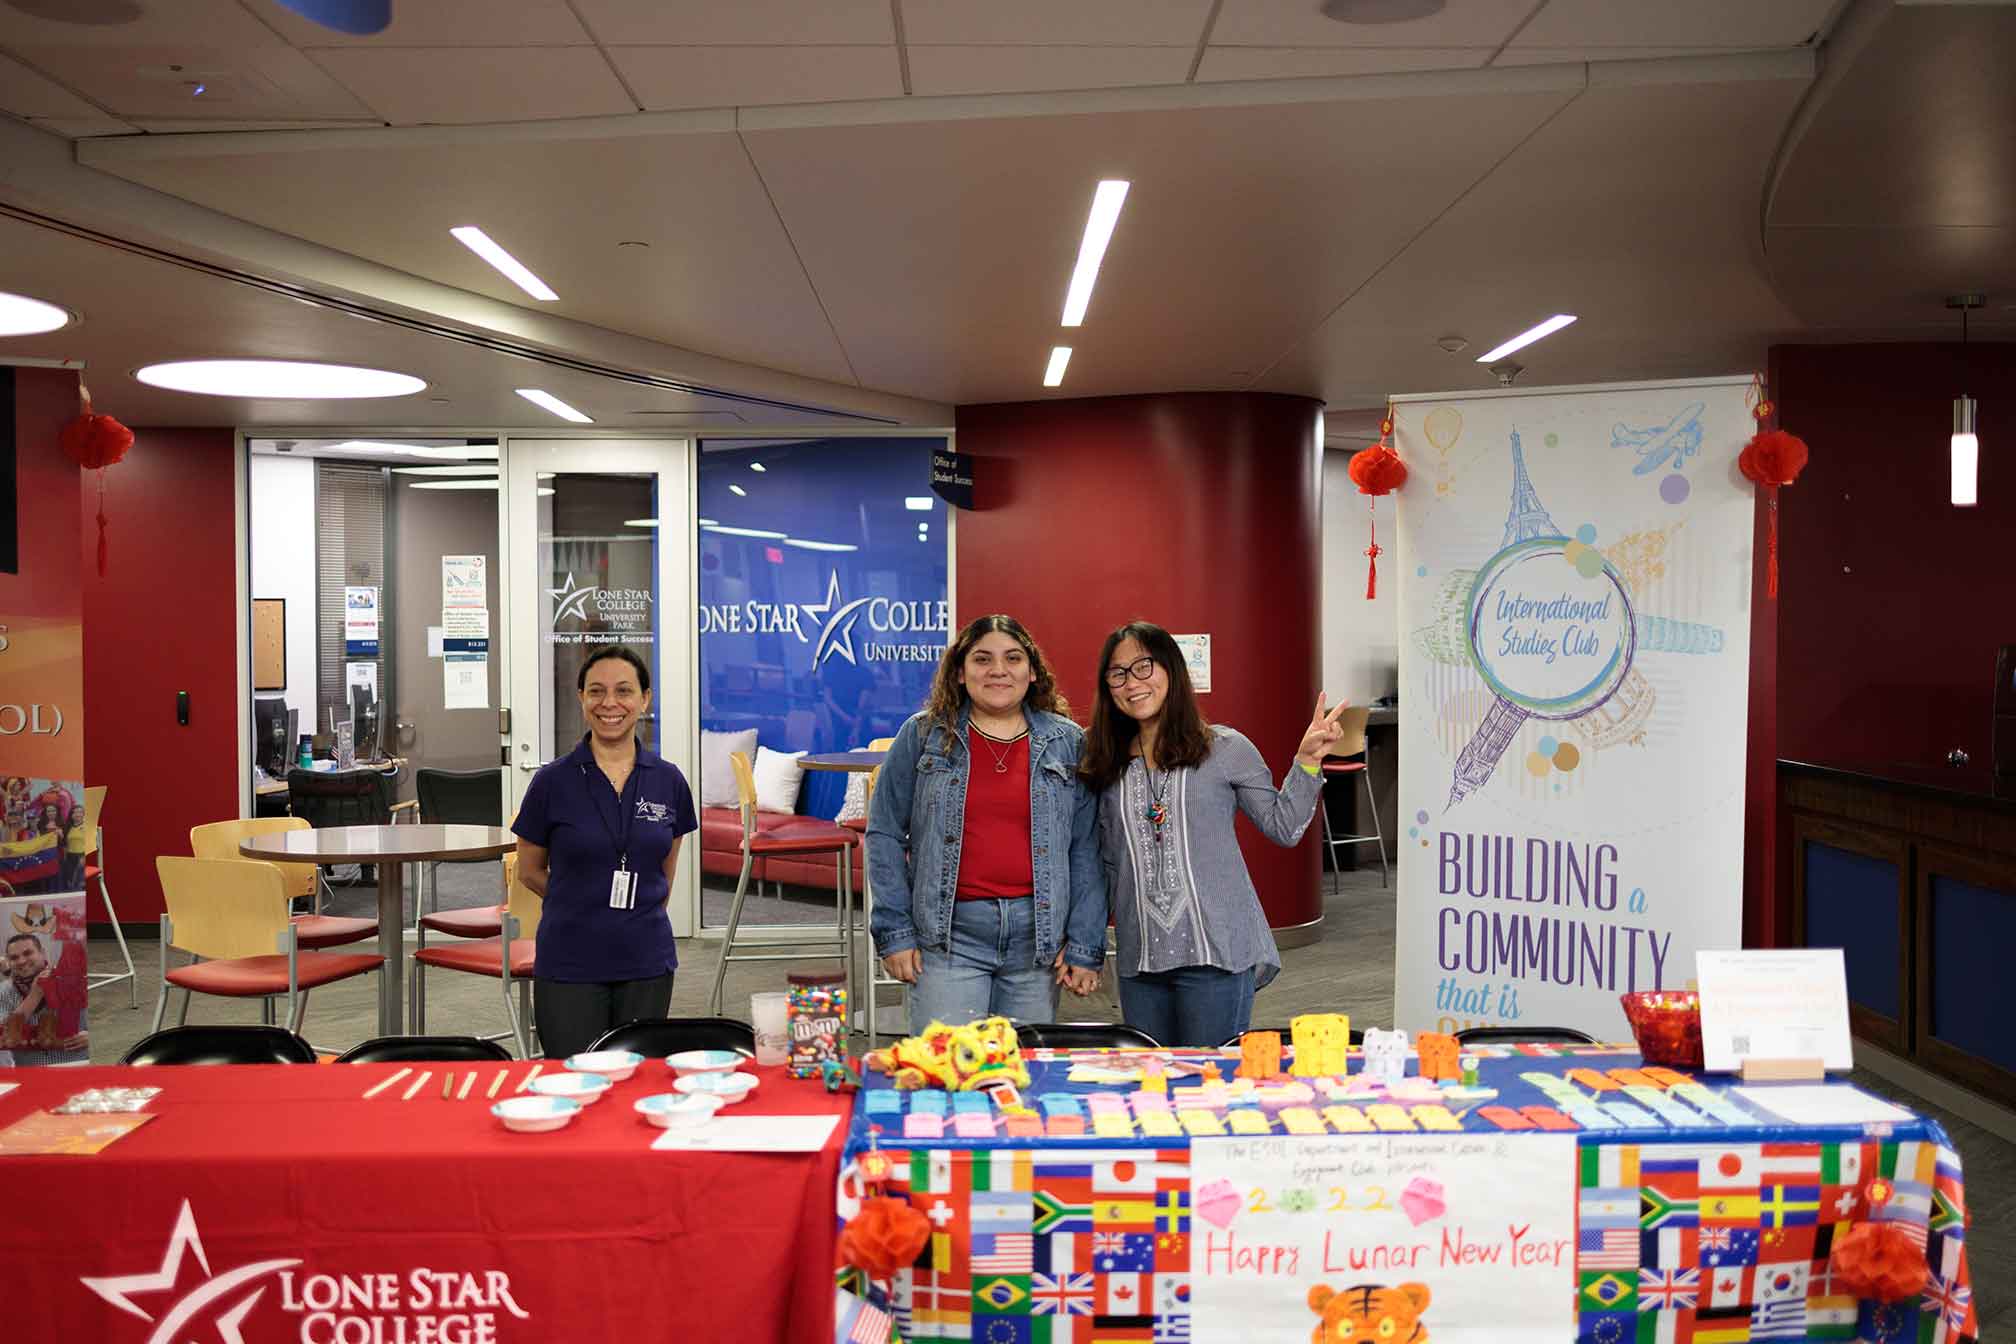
[[1201, 1124], [1247, 1120], [957, 1059], [1301, 1120], [1347, 1119], [1112, 1125], [1322, 1045], [1435, 1117], [1159, 1124], [1439, 1056], [1387, 1116]]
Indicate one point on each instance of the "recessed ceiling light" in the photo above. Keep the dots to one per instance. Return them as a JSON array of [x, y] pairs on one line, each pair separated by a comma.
[[1106, 203], [1380, 11], [917, 503], [757, 466], [640, 522], [805, 545], [546, 475], [23, 316], [1054, 375], [490, 484], [512, 269], [736, 489], [704, 522], [278, 379], [743, 531], [490, 471], [545, 490], [546, 401], [1527, 337]]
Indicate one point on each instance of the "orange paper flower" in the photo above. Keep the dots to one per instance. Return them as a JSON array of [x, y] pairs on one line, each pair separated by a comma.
[[1880, 1261], [884, 1237]]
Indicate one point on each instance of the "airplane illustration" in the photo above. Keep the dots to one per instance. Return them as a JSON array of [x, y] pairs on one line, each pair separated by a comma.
[[1678, 439]]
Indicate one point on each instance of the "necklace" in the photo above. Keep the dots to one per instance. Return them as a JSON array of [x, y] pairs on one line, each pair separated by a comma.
[[1000, 757], [1157, 812]]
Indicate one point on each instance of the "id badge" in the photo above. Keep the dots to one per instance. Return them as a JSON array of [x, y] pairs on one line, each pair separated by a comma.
[[622, 889]]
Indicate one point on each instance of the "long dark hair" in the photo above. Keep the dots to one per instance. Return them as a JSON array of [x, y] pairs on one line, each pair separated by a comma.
[[1182, 739], [948, 694]]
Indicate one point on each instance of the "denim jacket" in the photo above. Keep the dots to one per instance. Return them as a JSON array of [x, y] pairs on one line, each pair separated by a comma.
[[919, 815]]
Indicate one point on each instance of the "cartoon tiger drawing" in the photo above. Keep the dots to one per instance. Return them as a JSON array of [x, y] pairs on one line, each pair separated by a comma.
[[1370, 1314]]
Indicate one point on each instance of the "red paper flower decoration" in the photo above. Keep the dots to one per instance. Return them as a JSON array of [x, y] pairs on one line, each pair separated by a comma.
[[1880, 1261], [884, 1237], [95, 442], [1772, 458], [1377, 471]]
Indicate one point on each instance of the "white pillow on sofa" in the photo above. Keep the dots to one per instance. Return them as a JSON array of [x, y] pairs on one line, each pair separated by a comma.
[[717, 776], [777, 778], [855, 805]]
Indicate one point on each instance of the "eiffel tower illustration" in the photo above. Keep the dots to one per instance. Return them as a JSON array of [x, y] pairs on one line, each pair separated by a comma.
[[1528, 518]]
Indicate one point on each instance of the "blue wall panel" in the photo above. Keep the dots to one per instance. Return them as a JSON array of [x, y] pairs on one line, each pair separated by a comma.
[[1972, 929], [1851, 903]]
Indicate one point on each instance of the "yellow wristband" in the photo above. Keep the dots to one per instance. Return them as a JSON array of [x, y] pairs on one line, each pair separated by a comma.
[[1310, 768]]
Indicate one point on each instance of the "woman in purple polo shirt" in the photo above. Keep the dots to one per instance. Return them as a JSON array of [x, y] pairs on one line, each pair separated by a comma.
[[598, 837]]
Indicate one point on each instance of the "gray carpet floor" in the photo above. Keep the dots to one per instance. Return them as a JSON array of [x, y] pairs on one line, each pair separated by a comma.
[[1350, 970]]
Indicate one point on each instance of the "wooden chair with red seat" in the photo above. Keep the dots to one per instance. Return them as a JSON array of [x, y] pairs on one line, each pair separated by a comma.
[[315, 930], [231, 915], [859, 825], [509, 957], [805, 835], [1351, 742], [88, 840]]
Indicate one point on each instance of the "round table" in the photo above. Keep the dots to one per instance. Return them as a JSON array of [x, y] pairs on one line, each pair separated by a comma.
[[389, 847], [853, 762]]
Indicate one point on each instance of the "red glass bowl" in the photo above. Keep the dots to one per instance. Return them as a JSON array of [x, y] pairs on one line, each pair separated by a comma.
[[1667, 1024]]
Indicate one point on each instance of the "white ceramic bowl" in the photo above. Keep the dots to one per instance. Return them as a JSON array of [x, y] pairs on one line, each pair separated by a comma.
[[729, 1088], [678, 1110], [585, 1088], [532, 1115], [703, 1061], [615, 1065]]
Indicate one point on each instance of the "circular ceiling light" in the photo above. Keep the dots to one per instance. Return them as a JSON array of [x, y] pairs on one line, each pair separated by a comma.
[[1381, 11], [278, 379], [23, 316]]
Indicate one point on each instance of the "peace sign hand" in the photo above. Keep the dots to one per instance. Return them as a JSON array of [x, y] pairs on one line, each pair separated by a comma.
[[1322, 733]]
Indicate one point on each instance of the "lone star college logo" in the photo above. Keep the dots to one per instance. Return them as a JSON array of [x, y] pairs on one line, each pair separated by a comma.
[[184, 1240], [573, 601], [837, 634]]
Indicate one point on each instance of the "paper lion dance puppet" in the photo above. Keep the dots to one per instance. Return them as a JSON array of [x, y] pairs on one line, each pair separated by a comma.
[[957, 1059]]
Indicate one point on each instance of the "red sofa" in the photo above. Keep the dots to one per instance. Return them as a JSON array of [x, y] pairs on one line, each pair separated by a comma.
[[721, 852]]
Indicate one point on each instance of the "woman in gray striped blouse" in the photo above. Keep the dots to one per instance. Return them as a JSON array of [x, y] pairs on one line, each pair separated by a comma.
[[1194, 943]]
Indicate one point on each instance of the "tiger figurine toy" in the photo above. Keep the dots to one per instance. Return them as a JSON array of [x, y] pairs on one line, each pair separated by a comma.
[[957, 1059], [1370, 1314]]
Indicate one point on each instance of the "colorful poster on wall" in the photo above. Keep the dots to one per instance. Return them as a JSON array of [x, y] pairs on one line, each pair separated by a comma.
[[44, 994], [1456, 1237], [465, 581], [1574, 592], [360, 622]]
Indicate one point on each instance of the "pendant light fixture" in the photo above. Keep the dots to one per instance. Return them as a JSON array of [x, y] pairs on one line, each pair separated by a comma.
[[1966, 446]]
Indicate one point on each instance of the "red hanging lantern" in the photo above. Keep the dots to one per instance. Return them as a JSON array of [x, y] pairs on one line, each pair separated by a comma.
[[95, 442], [1377, 471], [1771, 459]]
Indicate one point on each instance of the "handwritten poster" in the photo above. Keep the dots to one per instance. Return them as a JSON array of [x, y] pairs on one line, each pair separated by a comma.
[[1463, 1238], [1575, 573]]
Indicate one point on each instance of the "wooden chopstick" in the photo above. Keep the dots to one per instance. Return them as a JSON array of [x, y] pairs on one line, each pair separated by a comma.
[[385, 1083], [496, 1083], [418, 1083], [536, 1070], [468, 1081], [447, 1081]]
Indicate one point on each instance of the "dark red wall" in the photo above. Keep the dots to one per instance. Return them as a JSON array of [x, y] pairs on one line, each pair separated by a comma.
[[1198, 511], [1892, 601], [163, 619]]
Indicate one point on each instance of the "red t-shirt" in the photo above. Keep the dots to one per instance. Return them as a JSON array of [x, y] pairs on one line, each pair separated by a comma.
[[994, 860]]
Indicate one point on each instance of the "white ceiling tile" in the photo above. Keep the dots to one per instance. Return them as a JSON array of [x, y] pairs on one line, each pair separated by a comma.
[[1574, 55], [29, 93], [1300, 23], [1661, 23], [1125, 23], [669, 78], [79, 128], [625, 23], [1226, 63], [240, 84], [164, 23], [415, 86], [186, 126], [992, 69], [443, 23]]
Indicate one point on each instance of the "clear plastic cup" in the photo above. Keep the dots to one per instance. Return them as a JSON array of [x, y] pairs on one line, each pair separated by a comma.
[[767, 1012]]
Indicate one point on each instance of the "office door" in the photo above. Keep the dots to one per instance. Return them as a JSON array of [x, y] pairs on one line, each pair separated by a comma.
[[591, 565]]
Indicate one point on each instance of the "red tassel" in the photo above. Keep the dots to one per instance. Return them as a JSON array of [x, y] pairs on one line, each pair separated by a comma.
[[104, 545], [1772, 544], [1372, 555]]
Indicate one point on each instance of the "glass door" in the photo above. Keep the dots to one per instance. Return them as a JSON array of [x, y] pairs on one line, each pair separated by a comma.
[[589, 567]]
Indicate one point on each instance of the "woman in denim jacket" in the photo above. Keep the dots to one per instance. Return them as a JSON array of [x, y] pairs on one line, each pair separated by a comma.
[[983, 848]]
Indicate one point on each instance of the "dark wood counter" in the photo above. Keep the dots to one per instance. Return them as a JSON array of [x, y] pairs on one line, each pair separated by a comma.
[[1911, 870]]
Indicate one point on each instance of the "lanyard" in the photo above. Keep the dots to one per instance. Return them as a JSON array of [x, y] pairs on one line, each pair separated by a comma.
[[624, 807]]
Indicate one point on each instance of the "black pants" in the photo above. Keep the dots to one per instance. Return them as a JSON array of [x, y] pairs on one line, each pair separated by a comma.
[[570, 1015]]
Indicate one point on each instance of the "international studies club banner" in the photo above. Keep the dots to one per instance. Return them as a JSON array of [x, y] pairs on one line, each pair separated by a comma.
[[1574, 664]]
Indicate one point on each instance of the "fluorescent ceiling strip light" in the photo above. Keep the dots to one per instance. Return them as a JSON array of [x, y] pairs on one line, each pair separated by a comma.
[[757, 466], [743, 531], [738, 490], [425, 451], [490, 471], [917, 503], [546, 401], [509, 266], [1106, 203], [805, 545], [1054, 375], [490, 484], [1526, 338], [640, 522]]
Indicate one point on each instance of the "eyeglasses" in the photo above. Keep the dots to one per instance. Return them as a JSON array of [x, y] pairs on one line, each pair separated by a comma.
[[1141, 669]]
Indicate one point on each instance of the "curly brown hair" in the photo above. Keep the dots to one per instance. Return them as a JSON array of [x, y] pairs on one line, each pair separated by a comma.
[[948, 694]]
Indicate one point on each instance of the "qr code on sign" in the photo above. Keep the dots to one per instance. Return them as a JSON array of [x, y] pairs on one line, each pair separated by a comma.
[[1740, 1045]]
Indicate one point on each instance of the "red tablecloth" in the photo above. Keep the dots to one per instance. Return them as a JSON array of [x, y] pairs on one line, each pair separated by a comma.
[[277, 1201]]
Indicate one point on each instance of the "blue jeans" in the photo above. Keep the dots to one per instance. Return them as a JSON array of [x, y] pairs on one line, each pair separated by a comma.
[[989, 970], [1191, 1005]]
